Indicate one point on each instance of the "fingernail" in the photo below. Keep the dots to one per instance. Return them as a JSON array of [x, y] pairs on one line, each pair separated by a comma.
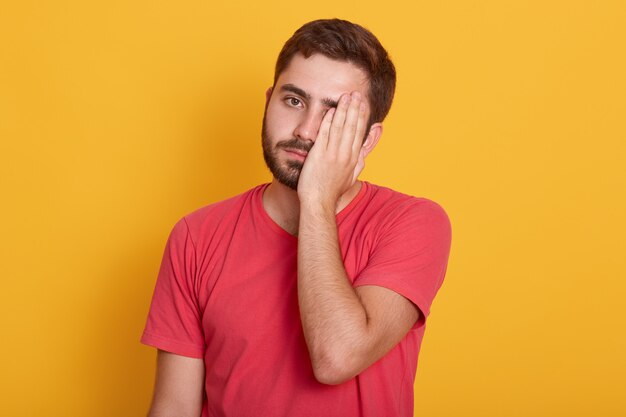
[[356, 95]]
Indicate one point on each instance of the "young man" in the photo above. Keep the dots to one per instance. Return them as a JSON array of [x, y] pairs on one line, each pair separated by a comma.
[[306, 296]]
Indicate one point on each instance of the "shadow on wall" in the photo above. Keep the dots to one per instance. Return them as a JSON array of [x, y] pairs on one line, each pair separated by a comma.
[[222, 158], [227, 158]]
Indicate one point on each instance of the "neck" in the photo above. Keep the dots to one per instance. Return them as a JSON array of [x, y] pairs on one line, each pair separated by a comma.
[[282, 204]]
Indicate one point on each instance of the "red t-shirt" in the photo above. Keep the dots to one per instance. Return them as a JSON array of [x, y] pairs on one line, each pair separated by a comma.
[[227, 292]]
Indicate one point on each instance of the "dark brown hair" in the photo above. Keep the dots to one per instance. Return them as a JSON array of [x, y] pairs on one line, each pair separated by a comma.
[[346, 41]]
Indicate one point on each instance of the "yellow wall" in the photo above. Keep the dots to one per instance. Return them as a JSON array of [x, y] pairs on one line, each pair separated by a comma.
[[119, 117]]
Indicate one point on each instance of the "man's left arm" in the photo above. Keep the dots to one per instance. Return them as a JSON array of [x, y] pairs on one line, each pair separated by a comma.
[[346, 329]]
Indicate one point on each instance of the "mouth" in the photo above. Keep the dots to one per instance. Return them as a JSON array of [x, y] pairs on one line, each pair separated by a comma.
[[300, 154]]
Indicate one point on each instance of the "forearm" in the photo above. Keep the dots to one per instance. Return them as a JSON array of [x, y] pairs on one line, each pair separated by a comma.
[[333, 318]]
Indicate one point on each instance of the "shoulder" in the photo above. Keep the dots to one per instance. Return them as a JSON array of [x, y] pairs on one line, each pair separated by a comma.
[[208, 219], [392, 207]]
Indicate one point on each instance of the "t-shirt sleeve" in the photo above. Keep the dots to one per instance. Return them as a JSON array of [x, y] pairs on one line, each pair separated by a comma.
[[411, 254], [174, 320]]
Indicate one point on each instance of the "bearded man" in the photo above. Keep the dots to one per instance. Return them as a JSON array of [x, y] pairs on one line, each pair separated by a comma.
[[306, 296]]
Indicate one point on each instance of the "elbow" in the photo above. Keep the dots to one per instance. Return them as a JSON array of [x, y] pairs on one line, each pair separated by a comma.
[[334, 369], [329, 377]]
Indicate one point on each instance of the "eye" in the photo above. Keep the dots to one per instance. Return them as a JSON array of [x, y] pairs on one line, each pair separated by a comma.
[[294, 102]]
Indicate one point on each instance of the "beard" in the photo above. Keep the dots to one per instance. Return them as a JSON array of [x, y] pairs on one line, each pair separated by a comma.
[[288, 172]]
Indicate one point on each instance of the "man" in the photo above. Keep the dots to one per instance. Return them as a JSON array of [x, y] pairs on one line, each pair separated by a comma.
[[306, 296]]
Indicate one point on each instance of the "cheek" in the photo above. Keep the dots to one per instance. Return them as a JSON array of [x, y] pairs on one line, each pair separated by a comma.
[[280, 119]]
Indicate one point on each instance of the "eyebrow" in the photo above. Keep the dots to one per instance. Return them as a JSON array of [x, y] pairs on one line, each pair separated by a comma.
[[329, 102]]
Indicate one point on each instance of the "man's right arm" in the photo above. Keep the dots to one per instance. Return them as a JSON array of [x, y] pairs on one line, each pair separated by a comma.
[[179, 386]]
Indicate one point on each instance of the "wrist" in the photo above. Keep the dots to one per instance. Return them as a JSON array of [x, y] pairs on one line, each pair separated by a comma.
[[317, 209], [317, 203]]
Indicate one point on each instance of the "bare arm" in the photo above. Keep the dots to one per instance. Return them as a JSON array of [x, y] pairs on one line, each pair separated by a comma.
[[346, 329], [179, 386]]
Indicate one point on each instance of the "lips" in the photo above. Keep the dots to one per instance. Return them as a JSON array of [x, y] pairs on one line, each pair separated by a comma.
[[297, 152], [295, 148]]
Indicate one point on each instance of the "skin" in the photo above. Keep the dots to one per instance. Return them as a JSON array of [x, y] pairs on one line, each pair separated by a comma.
[[179, 386], [346, 329]]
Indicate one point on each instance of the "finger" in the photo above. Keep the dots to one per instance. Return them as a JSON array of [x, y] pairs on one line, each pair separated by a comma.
[[322, 135], [359, 135], [339, 118], [359, 166], [350, 124]]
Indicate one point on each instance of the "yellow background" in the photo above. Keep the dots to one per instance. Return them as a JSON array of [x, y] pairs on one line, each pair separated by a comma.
[[119, 117]]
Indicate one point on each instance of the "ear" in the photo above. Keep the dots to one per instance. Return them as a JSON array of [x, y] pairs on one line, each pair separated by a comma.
[[268, 95], [373, 136]]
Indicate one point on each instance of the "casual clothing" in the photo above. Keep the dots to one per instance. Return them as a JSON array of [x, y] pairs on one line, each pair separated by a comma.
[[227, 292]]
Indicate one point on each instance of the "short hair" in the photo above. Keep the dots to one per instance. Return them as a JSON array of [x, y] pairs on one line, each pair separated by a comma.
[[346, 41]]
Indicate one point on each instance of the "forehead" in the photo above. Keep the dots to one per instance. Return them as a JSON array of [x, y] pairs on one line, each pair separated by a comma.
[[322, 77]]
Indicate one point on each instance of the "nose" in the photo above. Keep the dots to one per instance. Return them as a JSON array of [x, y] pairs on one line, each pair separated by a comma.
[[309, 125]]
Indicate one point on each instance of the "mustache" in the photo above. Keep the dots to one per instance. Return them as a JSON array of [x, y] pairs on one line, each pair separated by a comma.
[[295, 144]]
